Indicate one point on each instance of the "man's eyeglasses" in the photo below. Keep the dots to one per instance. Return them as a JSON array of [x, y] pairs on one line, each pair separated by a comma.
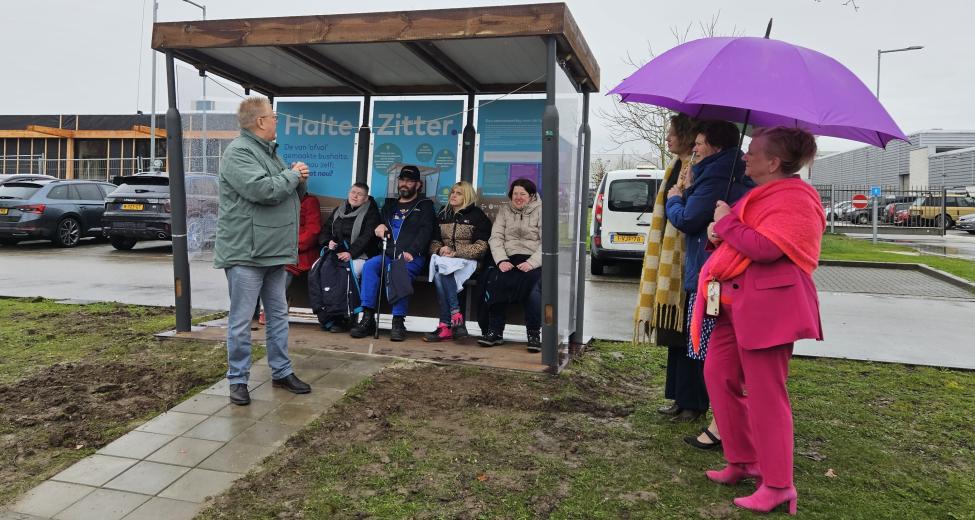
[[272, 115]]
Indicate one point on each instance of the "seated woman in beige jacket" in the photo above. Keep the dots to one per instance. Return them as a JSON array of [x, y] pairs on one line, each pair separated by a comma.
[[516, 247]]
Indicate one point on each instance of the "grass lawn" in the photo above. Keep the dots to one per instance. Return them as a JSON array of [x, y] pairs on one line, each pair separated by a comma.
[[840, 247], [424, 441], [75, 377]]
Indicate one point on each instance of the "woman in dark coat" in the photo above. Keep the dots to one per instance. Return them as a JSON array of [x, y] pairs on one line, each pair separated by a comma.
[[348, 233], [690, 210]]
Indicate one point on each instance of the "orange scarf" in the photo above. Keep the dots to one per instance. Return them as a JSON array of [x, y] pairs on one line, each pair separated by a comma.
[[787, 212]]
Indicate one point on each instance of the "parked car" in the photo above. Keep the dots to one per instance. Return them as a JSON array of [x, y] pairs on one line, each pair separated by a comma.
[[12, 177], [890, 211], [62, 211], [840, 208], [928, 209], [140, 209], [621, 217], [966, 223]]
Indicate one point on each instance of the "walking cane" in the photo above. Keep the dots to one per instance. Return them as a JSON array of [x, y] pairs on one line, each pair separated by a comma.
[[379, 293]]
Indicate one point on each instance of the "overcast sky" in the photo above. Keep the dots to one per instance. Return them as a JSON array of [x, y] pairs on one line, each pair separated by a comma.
[[71, 57]]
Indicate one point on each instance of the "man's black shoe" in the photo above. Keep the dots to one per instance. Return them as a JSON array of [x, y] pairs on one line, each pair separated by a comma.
[[366, 325], [239, 394], [339, 326], [398, 332], [534, 341], [491, 339], [292, 384]]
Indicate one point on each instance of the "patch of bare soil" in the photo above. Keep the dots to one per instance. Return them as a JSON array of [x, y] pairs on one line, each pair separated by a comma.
[[77, 406], [472, 435]]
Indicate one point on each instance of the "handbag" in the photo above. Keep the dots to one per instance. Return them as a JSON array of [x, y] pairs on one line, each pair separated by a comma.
[[706, 328]]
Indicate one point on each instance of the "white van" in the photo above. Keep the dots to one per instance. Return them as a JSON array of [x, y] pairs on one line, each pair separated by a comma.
[[621, 217]]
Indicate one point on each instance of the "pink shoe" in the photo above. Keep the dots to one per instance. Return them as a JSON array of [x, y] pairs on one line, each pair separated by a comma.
[[261, 319], [458, 329], [734, 473], [768, 498], [441, 334]]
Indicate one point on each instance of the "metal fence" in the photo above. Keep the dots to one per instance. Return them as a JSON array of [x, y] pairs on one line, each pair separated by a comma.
[[895, 210]]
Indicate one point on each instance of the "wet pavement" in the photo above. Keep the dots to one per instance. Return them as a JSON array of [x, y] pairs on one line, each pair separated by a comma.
[[956, 244], [870, 324]]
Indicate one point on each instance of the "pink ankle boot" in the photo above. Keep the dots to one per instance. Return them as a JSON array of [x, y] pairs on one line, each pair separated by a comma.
[[769, 498], [734, 473]]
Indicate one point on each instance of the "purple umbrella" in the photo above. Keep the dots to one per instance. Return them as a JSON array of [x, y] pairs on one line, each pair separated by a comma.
[[765, 83]]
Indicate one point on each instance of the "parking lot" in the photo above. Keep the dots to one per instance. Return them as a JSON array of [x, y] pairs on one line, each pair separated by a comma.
[[864, 324]]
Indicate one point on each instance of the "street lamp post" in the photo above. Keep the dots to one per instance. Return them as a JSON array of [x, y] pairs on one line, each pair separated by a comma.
[[152, 116], [882, 52], [206, 162]]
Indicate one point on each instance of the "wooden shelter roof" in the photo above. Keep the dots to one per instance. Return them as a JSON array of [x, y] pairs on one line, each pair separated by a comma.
[[477, 50]]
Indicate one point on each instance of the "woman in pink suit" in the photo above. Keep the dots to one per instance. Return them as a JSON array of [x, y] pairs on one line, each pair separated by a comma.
[[768, 246]]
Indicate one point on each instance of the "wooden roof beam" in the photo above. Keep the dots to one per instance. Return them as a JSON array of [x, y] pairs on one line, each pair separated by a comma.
[[446, 67], [324, 64], [50, 130], [160, 132], [212, 65]]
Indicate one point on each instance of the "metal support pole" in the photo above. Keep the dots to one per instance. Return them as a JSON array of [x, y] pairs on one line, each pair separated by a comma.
[[585, 137], [365, 135], [550, 214], [879, 52], [152, 113], [467, 150], [944, 209], [177, 196], [832, 211], [875, 219]]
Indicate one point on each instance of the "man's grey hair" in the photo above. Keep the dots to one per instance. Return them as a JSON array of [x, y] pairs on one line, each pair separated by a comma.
[[250, 109]]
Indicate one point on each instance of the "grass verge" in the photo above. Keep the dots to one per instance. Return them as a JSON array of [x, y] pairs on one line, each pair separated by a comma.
[[75, 377], [840, 247], [872, 441]]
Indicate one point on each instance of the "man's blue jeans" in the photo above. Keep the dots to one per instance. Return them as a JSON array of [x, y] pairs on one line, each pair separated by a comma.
[[370, 282], [446, 296], [246, 283]]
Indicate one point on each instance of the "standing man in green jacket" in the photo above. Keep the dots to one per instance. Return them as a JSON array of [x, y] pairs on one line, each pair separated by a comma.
[[257, 236]]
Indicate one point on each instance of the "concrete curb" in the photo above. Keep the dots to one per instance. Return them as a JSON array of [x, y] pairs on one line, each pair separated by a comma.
[[948, 278]]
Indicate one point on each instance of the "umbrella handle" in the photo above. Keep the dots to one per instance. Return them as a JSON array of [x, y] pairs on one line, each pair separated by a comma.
[[734, 162]]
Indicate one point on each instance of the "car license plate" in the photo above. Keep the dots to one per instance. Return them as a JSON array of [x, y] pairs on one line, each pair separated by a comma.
[[617, 238], [132, 207], [3, 211]]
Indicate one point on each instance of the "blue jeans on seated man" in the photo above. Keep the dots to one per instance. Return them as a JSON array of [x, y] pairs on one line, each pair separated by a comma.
[[370, 282], [246, 284], [447, 296], [533, 312]]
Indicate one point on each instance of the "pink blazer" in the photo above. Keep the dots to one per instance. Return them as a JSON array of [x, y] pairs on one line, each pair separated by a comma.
[[773, 302]]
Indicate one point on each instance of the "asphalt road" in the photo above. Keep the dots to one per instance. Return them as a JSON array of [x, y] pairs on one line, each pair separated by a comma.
[[857, 325]]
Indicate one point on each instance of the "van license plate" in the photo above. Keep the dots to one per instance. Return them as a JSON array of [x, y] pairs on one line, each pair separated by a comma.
[[3, 211], [617, 238], [132, 207]]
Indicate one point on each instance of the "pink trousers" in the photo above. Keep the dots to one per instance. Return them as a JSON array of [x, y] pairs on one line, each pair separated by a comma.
[[756, 427]]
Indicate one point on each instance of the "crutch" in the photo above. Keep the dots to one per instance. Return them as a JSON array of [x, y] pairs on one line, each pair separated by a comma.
[[379, 293]]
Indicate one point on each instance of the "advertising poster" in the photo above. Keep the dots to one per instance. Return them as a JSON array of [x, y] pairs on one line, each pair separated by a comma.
[[322, 135], [419, 133], [510, 148]]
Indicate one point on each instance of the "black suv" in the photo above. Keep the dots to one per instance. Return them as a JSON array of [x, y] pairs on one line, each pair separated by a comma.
[[140, 209], [61, 211]]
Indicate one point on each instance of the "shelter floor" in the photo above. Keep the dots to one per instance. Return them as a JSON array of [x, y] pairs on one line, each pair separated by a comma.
[[306, 334]]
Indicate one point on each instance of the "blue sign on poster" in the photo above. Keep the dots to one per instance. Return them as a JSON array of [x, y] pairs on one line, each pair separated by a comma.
[[875, 191], [322, 135], [423, 133], [511, 144]]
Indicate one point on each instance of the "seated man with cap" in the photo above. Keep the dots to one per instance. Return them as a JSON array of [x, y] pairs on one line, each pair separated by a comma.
[[408, 224]]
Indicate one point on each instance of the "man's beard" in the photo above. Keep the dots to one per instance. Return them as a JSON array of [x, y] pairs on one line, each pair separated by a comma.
[[407, 193]]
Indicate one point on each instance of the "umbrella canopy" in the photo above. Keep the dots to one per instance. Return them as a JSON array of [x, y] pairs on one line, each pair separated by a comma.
[[770, 82]]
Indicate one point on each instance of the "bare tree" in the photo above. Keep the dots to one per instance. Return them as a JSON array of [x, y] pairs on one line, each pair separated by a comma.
[[642, 123], [597, 170]]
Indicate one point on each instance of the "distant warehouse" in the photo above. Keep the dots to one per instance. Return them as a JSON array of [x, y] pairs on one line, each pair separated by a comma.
[[933, 158], [102, 146]]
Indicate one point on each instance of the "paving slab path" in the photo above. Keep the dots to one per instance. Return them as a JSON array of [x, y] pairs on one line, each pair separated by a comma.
[[169, 466]]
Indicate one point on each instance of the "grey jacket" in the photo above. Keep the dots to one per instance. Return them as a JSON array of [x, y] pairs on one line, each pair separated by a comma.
[[257, 224], [518, 232]]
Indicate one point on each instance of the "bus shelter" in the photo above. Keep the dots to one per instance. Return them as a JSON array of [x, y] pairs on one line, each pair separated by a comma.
[[468, 54]]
